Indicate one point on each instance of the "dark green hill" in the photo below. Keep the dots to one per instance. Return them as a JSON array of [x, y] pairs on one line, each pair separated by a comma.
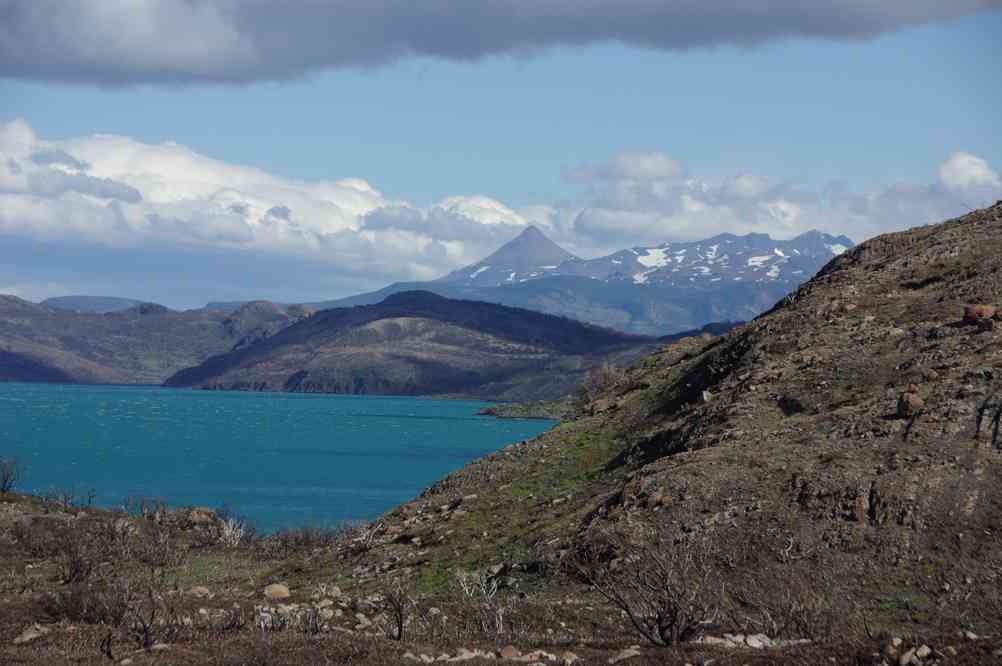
[[417, 343]]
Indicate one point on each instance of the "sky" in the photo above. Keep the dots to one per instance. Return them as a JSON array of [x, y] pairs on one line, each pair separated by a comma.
[[185, 152]]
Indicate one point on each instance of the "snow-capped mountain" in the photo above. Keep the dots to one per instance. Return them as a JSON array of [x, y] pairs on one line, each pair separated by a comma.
[[723, 258], [529, 255], [658, 290]]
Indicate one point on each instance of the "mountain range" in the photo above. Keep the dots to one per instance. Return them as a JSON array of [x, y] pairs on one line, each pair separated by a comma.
[[657, 290]]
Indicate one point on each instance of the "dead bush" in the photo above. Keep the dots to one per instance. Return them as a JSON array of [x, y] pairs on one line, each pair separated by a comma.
[[306, 541], [793, 606], [479, 608], [659, 579], [397, 606], [157, 548], [84, 603]]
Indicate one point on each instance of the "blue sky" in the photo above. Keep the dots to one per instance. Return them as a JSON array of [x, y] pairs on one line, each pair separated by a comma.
[[870, 111], [878, 114]]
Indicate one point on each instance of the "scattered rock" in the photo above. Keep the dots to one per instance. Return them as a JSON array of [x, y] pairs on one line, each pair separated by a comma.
[[909, 404], [200, 592], [907, 657], [758, 641], [32, 633], [599, 406], [923, 652], [277, 591], [202, 516], [629, 653], [497, 570], [569, 658], [977, 313], [509, 652]]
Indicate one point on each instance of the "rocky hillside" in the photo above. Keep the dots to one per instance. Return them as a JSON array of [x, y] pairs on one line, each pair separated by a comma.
[[660, 290], [143, 344], [418, 343], [826, 458]]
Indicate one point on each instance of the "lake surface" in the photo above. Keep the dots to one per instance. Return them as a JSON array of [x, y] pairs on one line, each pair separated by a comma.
[[277, 459]]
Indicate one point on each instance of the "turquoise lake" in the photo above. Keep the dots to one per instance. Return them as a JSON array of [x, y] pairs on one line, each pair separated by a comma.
[[279, 460]]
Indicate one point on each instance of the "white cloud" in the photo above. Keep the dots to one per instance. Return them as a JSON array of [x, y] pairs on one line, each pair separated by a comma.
[[114, 191], [628, 167], [965, 171], [113, 211], [621, 208]]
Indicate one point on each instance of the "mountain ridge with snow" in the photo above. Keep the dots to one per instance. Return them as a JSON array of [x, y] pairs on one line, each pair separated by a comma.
[[656, 290]]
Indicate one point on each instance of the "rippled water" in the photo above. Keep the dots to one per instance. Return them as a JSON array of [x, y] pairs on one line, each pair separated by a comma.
[[280, 460]]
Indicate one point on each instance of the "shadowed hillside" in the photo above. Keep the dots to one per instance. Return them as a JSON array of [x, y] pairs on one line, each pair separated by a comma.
[[419, 343], [143, 344]]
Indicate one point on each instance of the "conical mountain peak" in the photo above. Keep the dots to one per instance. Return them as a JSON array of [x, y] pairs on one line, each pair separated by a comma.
[[531, 254]]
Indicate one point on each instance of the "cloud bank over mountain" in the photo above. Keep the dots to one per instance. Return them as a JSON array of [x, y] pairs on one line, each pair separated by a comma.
[[249, 40], [108, 214]]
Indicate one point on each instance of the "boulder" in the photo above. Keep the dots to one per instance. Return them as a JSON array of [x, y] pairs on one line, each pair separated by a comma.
[[509, 652], [34, 632], [976, 313], [910, 404], [202, 516], [599, 406], [276, 592], [199, 592], [629, 653]]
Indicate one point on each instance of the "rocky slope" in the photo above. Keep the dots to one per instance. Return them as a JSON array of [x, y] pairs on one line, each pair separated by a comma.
[[418, 343], [143, 344], [827, 452], [659, 290]]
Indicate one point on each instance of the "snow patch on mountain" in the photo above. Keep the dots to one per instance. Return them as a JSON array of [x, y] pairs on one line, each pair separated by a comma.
[[656, 257]]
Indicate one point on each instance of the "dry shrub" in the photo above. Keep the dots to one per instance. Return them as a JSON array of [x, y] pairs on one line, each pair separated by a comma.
[[104, 604], [660, 579], [349, 537], [83, 546], [791, 606]]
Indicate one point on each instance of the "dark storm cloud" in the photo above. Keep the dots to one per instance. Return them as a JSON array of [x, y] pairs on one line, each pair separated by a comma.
[[246, 40]]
